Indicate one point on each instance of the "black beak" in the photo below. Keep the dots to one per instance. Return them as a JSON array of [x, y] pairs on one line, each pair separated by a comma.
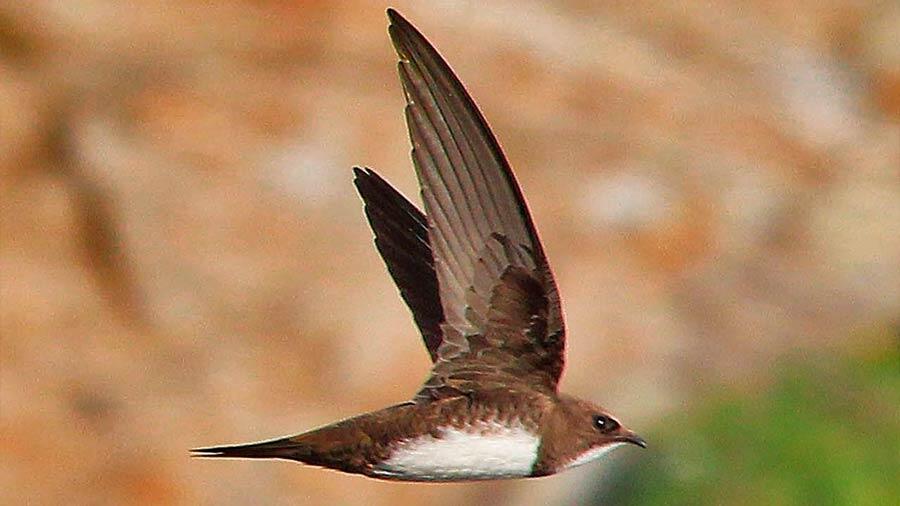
[[633, 439]]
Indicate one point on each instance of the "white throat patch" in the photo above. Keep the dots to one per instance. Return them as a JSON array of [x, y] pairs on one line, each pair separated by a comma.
[[487, 451], [593, 454]]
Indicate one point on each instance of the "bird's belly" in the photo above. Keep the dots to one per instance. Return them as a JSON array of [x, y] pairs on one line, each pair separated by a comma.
[[485, 452]]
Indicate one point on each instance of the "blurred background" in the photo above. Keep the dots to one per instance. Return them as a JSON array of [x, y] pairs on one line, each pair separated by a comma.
[[185, 262]]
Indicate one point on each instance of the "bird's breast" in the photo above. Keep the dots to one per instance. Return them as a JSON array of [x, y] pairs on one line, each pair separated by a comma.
[[481, 451]]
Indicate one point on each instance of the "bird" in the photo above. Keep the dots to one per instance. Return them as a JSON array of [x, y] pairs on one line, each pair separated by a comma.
[[474, 274]]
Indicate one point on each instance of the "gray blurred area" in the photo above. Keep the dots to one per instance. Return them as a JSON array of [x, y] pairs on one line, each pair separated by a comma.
[[185, 262]]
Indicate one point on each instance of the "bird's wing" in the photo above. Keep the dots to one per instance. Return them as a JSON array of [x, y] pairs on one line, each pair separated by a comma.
[[401, 236], [500, 303]]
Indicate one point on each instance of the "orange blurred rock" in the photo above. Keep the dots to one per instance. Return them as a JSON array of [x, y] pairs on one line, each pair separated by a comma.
[[180, 238]]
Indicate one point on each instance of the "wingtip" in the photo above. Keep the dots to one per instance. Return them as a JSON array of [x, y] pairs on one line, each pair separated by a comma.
[[361, 179], [393, 15], [364, 174], [397, 20], [401, 32]]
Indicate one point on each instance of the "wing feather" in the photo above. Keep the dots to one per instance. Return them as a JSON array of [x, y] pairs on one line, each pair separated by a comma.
[[401, 236], [483, 239]]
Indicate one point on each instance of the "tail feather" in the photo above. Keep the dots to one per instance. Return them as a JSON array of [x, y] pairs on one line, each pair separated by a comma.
[[285, 448]]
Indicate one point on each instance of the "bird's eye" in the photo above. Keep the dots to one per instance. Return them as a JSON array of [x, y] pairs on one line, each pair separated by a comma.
[[605, 424]]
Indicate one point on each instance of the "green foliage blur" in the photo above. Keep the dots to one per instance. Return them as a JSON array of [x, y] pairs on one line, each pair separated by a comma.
[[825, 432]]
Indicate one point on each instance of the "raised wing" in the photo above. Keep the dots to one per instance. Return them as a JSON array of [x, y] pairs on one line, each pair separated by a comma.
[[401, 236], [502, 313]]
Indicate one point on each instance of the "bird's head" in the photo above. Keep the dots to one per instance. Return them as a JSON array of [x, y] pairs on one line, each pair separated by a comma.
[[578, 432]]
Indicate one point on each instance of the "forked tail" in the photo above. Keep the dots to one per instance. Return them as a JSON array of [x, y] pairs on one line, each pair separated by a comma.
[[285, 448]]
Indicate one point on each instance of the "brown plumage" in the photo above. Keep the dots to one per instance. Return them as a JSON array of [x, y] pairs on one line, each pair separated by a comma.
[[474, 274], [502, 317]]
